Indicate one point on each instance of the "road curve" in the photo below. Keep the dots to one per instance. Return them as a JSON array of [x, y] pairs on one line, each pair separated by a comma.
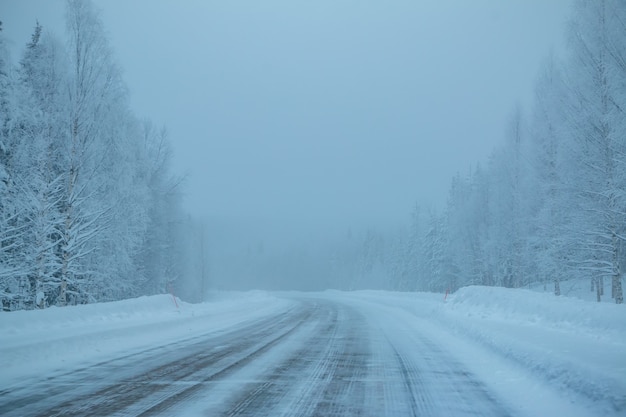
[[320, 358]]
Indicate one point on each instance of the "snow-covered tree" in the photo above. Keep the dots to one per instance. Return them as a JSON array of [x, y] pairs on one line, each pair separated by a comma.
[[595, 123], [88, 208], [550, 216]]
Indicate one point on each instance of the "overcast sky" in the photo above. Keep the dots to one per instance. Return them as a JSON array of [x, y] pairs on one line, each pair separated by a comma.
[[327, 113]]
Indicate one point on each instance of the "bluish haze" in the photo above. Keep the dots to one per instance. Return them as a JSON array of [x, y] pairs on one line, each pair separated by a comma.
[[301, 121], [324, 113]]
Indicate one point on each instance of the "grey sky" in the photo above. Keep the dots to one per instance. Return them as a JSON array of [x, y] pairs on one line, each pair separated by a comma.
[[325, 113]]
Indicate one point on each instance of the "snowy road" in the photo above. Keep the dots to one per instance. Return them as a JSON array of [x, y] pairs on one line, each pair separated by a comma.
[[319, 356]]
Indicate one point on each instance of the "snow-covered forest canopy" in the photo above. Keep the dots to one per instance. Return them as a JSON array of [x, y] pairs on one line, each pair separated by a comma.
[[89, 210]]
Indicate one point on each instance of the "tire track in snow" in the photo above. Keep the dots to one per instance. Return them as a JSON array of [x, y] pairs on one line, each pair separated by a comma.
[[78, 393], [297, 376], [326, 377], [435, 383], [408, 379], [233, 361], [318, 375], [324, 358], [345, 393]]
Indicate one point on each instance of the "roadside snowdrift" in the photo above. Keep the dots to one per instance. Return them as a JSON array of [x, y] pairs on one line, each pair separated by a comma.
[[58, 339], [574, 344], [522, 305]]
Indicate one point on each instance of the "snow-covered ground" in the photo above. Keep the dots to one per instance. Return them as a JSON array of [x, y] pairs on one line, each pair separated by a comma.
[[576, 288], [546, 353], [576, 346], [36, 343], [539, 355]]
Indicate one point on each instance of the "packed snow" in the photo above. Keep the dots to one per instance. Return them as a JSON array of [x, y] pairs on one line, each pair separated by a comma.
[[39, 342], [541, 354], [538, 342]]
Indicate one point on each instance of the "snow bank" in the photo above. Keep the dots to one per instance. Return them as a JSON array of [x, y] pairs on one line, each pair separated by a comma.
[[62, 338], [63, 319], [576, 347], [574, 344], [522, 305]]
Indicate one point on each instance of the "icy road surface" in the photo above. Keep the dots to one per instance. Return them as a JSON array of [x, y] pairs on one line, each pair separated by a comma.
[[318, 355]]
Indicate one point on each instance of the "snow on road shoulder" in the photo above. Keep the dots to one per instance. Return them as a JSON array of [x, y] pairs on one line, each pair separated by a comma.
[[63, 338], [572, 346], [520, 305], [575, 345]]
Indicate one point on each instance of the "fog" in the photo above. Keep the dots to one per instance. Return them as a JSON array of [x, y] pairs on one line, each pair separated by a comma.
[[301, 125]]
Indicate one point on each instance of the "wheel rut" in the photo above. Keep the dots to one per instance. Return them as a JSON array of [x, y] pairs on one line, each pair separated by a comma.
[[322, 358], [78, 393]]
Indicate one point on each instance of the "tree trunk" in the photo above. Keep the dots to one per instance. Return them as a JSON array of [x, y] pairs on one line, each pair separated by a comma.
[[617, 289], [616, 286], [62, 300], [616, 282], [557, 287], [601, 285]]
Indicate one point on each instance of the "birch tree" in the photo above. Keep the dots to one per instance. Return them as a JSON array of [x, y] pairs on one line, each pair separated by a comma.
[[93, 87], [39, 179], [595, 123]]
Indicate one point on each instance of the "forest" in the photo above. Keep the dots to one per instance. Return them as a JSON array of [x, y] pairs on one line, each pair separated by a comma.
[[90, 209]]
